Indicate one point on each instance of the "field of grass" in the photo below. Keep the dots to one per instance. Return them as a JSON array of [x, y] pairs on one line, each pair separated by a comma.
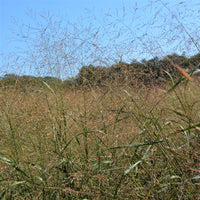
[[111, 143]]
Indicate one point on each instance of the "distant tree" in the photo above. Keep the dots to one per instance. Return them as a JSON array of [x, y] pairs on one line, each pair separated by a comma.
[[10, 77]]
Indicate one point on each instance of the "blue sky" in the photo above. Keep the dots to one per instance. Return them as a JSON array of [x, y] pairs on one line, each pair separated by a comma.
[[142, 29]]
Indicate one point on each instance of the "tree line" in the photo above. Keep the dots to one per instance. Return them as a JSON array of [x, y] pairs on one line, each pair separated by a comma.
[[147, 72]]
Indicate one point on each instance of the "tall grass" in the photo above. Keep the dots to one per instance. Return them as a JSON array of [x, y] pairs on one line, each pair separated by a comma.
[[115, 143], [118, 142]]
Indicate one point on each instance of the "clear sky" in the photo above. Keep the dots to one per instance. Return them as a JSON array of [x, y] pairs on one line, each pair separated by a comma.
[[125, 30]]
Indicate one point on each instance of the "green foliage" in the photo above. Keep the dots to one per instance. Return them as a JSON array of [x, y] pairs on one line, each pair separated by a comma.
[[146, 73], [151, 72]]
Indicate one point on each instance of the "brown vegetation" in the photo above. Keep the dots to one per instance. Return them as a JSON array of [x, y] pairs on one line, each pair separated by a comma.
[[121, 142]]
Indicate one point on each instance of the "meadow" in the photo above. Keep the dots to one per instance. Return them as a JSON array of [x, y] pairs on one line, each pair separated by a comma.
[[100, 143]]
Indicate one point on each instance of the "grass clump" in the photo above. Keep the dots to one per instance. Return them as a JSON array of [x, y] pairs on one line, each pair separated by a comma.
[[110, 143]]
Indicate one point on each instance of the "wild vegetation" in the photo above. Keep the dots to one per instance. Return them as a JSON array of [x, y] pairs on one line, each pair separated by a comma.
[[154, 72], [60, 140], [113, 131]]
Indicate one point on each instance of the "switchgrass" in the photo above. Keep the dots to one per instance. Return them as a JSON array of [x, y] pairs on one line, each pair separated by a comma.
[[115, 143]]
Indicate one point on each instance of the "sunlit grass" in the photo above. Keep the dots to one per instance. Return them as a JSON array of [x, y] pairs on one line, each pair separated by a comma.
[[122, 143]]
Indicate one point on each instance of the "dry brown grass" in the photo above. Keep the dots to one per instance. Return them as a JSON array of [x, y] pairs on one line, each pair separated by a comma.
[[81, 144]]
